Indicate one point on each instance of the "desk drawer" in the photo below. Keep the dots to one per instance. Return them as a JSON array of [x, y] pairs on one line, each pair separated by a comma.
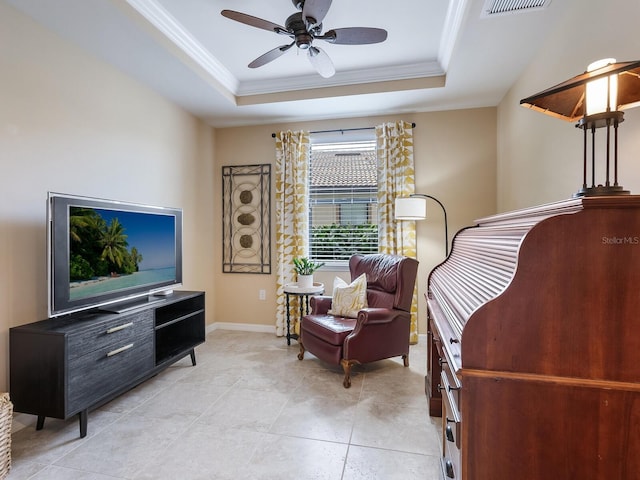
[[449, 382], [451, 425]]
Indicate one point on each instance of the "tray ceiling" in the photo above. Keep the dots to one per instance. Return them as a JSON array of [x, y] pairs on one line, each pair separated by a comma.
[[438, 55]]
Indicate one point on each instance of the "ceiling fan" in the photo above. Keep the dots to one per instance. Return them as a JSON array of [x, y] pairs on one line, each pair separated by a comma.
[[305, 26]]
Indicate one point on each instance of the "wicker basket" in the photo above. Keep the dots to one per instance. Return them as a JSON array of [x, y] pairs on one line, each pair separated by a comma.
[[6, 417]]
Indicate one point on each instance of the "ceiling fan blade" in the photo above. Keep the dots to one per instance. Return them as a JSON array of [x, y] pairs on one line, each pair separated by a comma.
[[316, 10], [254, 21], [321, 62], [270, 56], [354, 36]]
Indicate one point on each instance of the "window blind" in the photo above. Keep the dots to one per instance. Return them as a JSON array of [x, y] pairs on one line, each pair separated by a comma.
[[343, 206]]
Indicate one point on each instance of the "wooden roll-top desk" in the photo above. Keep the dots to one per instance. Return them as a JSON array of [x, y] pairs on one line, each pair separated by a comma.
[[534, 344]]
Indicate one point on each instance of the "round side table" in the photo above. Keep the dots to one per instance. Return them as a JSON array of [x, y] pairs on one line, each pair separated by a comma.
[[303, 294]]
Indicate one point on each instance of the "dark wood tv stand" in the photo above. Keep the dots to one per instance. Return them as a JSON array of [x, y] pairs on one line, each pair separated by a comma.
[[68, 365]]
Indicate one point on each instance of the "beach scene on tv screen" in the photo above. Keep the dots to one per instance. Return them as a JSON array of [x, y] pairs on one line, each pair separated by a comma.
[[113, 250]]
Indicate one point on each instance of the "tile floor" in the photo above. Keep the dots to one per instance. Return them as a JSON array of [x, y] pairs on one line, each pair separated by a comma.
[[248, 410]]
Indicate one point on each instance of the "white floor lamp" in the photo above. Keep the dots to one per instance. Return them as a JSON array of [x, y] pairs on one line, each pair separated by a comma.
[[414, 207]]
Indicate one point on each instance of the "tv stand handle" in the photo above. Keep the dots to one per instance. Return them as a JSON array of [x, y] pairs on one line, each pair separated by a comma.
[[119, 350], [120, 327]]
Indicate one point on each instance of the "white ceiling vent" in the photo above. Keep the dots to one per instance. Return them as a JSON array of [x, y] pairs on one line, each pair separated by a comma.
[[503, 7]]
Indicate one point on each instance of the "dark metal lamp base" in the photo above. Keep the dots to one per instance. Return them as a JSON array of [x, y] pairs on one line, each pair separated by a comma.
[[601, 190]]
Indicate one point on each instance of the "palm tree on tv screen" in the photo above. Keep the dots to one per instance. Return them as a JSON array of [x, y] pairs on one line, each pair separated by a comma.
[[115, 244], [136, 257]]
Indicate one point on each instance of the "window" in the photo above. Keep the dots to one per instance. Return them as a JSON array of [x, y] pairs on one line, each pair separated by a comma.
[[343, 203]]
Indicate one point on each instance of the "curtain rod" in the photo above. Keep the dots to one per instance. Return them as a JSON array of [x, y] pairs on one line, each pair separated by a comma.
[[342, 130]]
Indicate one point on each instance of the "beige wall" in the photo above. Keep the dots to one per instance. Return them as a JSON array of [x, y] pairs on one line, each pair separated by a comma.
[[540, 157], [455, 157], [69, 123]]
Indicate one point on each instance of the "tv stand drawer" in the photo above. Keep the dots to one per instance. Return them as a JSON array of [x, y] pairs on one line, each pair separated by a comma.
[[101, 331], [94, 376]]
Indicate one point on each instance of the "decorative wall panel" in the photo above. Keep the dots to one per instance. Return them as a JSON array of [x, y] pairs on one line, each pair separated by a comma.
[[246, 219]]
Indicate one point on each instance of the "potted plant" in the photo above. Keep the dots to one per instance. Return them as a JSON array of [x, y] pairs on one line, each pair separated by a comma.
[[304, 268]]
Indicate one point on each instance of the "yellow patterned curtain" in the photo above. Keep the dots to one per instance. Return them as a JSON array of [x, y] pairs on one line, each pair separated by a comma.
[[396, 178], [291, 205]]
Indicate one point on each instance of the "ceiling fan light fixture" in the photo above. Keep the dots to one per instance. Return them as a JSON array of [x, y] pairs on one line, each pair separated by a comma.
[[303, 42], [321, 62]]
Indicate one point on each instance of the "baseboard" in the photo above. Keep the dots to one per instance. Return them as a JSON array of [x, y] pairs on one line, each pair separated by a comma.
[[243, 327]]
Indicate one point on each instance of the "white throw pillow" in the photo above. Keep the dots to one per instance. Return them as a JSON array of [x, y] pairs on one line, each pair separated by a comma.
[[349, 299]]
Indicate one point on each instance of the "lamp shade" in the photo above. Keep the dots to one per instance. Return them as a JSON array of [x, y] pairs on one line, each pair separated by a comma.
[[567, 99], [602, 94], [410, 208]]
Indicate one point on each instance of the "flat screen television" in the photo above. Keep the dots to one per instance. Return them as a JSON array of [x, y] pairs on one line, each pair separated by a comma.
[[110, 254]]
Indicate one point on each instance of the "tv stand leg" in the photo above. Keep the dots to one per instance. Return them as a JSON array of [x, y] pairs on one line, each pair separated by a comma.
[[193, 357], [82, 418], [40, 422]]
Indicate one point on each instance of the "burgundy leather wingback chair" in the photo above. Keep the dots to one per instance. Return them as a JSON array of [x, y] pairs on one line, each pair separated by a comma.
[[380, 331]]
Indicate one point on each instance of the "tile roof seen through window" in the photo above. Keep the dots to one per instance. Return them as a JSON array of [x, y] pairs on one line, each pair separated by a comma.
[[344, 169]]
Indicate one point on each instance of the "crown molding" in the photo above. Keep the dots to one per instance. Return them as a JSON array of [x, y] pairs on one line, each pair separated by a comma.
[[340, 79], [452, 24], [164, 22], [363, 88]]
